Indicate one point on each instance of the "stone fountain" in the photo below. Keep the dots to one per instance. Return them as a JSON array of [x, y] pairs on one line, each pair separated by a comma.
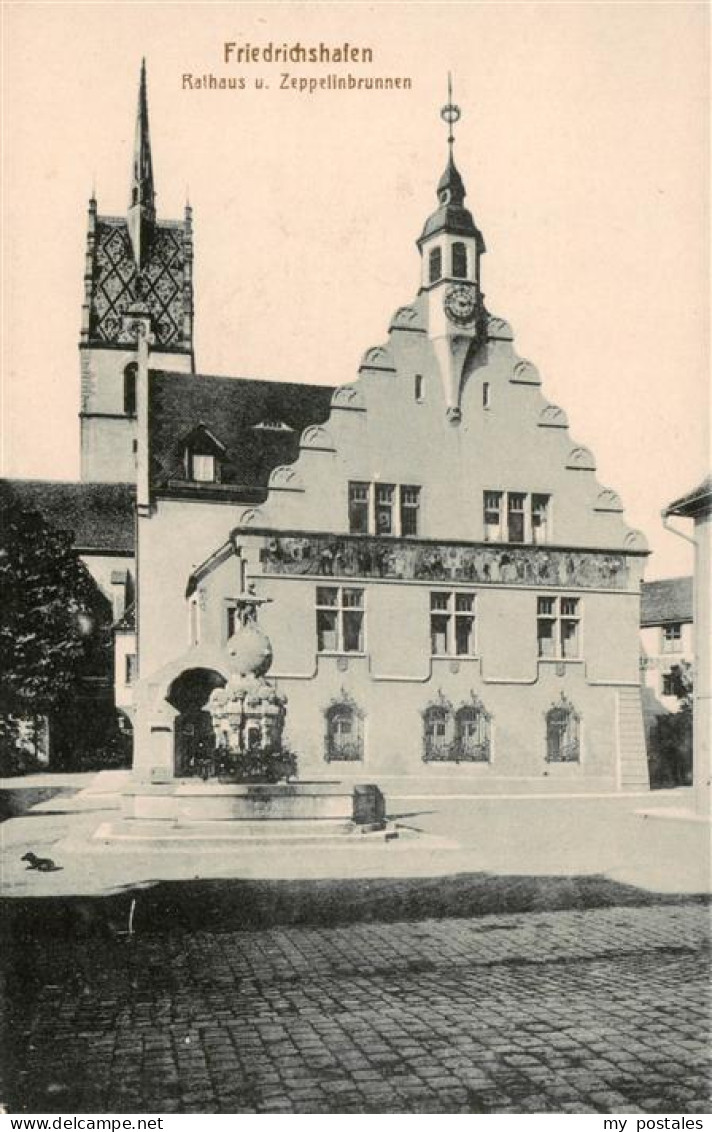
[[243, 781]]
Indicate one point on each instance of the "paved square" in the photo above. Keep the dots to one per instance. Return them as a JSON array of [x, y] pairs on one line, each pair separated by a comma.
[[599, 1010]]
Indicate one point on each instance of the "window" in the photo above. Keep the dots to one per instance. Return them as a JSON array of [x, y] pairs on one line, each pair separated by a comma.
[[231, 621], [202, 468], [672, 638], [528, 517], [540, 518], [435, 265], [344, 732], [515, 516], [472, 733], [493, 515], [563, 742], [359, 507], [384, 509], [438, 733], [130, 389], [668, 684], [409, 505], [485, 394], [130, 668], [452, 624], [339, 619], [194, 622], [558, 620], [459, 261], [419, 388], [456, 736]]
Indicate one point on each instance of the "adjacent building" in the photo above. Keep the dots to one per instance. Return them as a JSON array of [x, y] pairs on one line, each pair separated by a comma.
[[667, 639]]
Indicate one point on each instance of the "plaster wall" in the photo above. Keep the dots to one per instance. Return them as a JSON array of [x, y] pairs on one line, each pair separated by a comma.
[[108, 435]]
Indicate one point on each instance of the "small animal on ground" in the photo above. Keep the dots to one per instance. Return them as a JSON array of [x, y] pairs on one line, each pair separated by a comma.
[[41, 864]]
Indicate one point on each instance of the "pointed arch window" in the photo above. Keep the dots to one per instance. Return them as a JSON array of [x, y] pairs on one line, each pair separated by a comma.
[[435, 265], [130, 376], [343, 740], [459, 260], [563, 733]]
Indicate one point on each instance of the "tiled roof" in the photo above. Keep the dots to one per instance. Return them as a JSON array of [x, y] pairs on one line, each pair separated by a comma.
[[229, 408], [666, 600], [695, 502], [100, 515], [164, 287]]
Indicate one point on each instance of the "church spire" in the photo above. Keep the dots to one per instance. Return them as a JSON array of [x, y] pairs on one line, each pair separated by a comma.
[[141, 213]]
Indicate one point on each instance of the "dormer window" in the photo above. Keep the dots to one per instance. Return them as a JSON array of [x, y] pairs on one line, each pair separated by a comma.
[[202, 468], [203, 456], [435, 265], [459, 260], [272, 424]]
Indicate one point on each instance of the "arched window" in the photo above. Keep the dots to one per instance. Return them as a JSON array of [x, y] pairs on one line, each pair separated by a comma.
[[472, 733], [563, 733], [438, 731], [344, 731], [435, 265], [130, 389], [459, 261]]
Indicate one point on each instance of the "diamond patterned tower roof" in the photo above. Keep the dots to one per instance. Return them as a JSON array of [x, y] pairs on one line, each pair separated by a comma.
[[139, 259]]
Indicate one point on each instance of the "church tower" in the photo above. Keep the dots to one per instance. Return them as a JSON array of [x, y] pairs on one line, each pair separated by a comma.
[[135, 265], [451, 246]]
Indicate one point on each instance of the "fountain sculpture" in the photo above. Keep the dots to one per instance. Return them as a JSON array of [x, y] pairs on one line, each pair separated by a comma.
[[248, 714]]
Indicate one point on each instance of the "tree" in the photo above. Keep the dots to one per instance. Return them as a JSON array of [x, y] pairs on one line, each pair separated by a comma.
[[672, 734], [54, 622]]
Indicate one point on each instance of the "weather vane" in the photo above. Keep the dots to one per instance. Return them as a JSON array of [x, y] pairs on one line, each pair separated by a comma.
[[450, 113]]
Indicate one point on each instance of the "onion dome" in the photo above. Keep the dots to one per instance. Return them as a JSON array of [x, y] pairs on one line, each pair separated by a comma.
[[451, 215]]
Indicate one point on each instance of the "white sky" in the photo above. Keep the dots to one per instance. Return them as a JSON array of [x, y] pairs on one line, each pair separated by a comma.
[[584, 149]]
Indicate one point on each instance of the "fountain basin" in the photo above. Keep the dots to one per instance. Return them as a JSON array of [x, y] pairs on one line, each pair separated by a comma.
[[185, 801]]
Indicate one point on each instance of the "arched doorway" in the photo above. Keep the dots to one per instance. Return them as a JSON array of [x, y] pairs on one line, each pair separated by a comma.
[[194, 742]]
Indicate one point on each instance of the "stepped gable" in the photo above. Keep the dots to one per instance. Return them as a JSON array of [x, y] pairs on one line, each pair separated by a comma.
[[99, 515], [257, 423]]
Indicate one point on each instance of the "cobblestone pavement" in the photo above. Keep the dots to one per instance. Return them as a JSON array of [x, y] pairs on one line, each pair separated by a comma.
[[582, 1011]]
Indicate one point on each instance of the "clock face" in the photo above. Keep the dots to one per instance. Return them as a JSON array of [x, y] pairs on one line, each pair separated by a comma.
[[460, 303]]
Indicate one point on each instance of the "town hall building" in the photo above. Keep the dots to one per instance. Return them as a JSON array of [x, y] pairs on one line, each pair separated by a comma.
[[450, 592]]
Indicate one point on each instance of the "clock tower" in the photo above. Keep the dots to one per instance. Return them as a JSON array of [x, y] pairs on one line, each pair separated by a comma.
[[450, 247]]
